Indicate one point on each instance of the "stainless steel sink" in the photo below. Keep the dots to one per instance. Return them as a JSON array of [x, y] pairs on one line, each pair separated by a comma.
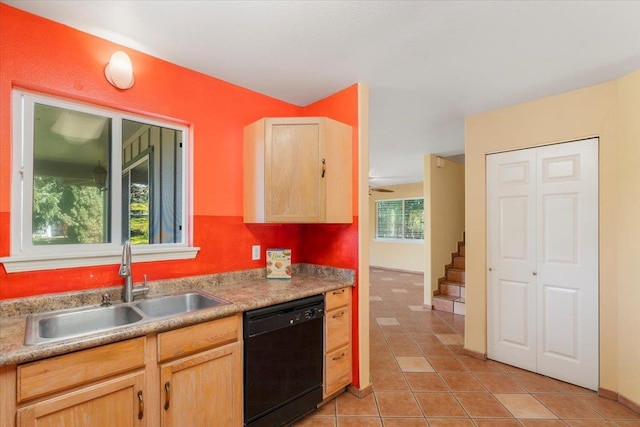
[[177, 304], [73, 323], [79, 322]]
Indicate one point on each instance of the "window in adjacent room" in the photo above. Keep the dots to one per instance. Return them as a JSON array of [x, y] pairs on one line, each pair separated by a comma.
[[86, 179], [400, 219]]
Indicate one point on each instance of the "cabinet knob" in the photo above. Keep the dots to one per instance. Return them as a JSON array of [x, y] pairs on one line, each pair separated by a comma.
[[324, 167], [535, 273]]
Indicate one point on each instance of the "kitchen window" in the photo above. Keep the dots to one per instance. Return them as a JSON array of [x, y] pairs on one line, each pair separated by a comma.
[[400, 220], [85, 179]]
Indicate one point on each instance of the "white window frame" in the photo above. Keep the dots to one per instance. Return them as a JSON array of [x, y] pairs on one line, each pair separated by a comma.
[[397, 239], [25, 256]]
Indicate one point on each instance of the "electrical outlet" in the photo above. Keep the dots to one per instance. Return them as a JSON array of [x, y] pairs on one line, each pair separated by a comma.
[[255, 252]]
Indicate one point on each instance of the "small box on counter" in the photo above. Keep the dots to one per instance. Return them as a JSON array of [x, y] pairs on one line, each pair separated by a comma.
[[278, 263]]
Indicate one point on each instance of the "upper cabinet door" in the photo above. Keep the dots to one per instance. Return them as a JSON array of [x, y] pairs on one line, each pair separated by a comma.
[[297, 170], [294, 153]]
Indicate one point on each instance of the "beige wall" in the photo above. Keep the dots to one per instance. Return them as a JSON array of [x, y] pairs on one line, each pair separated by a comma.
[[363, 237], [401, 256], [610, 111], [443, 217], [627, 207]]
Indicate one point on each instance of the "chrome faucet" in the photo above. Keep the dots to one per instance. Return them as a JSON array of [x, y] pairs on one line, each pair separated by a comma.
[[130, 291]]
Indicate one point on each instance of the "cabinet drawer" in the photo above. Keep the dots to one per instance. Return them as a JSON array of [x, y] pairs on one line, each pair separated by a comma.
[[71, 370], [109, 403], [337, 298], [192, 339], [338, 328], [338, 370]]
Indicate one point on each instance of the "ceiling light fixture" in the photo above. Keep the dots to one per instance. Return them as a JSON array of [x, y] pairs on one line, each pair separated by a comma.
[[119, 71], [77, 128]]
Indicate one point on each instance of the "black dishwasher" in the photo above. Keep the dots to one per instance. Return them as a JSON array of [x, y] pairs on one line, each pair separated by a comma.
[[283, 347]]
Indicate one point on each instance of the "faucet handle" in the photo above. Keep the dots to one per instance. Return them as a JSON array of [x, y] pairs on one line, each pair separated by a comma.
[[106, 300], [141, 290]]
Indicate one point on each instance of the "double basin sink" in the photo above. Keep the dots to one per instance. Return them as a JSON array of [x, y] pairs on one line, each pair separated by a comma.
[[78, 322]]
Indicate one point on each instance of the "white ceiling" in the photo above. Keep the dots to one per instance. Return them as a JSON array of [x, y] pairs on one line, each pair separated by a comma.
[[428, 64]]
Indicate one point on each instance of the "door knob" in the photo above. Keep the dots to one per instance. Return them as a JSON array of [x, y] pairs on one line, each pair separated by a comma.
[[535, 274]]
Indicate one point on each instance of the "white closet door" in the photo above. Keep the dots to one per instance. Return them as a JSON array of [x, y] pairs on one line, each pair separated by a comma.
[[543, 255], [567, 258], [511, 292]]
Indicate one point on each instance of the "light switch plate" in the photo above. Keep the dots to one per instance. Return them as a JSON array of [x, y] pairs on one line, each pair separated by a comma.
[[255, 252]]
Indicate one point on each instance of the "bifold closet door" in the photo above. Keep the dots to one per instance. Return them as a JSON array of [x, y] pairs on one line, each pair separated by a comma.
[[511, 258], [542, 255]]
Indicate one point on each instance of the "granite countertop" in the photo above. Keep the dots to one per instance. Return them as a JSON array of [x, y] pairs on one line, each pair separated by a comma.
[[244, 290]]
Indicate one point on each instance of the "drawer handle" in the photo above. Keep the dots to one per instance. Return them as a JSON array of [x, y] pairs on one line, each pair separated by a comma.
[[337, 315], [341, 291], [339, 357], [140, 405], [167, 395]]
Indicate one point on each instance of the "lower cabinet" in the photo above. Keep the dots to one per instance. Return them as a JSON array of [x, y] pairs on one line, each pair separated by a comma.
[[102, 386], [115, 402], [205, 388], [338, 370], [186, 377], [190, 376], [337, 341]]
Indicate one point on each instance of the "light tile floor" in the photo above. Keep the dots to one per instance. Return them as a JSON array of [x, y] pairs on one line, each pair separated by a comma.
[[420, 377]]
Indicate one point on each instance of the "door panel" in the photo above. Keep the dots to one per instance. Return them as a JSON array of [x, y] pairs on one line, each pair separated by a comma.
[[514, 314], [515, 173], [560, 308], [296, 188], [567, 198], [542, 254], [560, 228], [511, 247], [114, 402], [513, 228], [560, 168], [203, 390]]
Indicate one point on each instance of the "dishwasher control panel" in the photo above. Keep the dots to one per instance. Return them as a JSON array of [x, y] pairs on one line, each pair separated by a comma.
[[308, 314], [279, 316], [311, 313]]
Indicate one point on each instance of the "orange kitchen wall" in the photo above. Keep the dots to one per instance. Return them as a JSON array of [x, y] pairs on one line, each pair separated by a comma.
[[337, 244], [48, 57]]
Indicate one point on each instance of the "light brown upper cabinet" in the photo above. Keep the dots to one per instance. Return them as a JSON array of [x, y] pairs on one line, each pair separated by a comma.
[[297, 170]]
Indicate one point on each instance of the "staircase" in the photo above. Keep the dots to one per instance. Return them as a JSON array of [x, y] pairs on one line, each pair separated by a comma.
[[450, 295]]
